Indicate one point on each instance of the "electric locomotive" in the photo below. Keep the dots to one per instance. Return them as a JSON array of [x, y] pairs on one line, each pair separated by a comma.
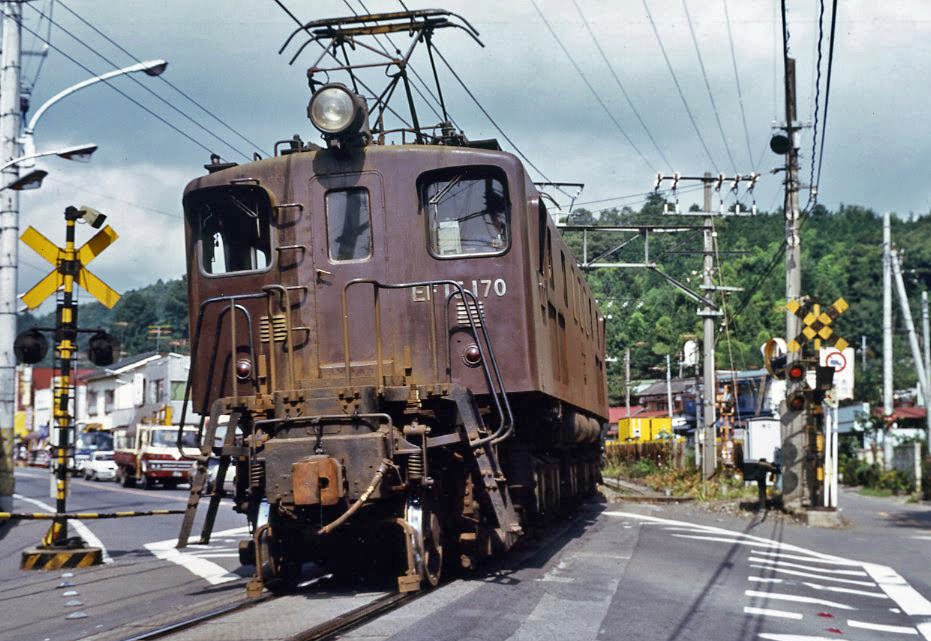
[[410, 363]]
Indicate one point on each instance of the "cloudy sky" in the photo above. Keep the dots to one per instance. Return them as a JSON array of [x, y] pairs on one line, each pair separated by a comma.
[[223, 53]]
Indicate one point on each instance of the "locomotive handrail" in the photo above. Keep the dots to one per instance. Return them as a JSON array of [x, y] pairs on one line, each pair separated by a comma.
[[499, 435], [195, 345], [505, 415]]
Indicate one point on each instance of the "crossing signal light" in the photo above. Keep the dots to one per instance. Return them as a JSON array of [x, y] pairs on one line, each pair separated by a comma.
[[796, 373], [30, 347], [796, 402], [102, 349], [774, 358]]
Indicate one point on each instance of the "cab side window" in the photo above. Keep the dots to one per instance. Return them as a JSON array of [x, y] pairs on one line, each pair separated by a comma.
[[468, 211]]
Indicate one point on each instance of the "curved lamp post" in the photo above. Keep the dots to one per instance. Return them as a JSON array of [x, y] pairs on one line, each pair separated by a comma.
[[33, 180], [149, 68]]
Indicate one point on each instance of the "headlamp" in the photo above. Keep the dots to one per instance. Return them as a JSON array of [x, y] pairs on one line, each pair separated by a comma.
[[337, 111]]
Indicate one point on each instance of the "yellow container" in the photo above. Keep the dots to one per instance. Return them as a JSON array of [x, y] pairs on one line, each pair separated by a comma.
[[660, 428]]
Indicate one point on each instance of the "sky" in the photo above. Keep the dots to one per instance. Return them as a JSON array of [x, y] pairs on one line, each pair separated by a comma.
[[224, 55]]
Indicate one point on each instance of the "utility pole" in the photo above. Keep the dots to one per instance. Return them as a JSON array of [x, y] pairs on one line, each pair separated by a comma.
[[708, 314], [887, 340], [912, 334], [926, 341], [793, 423], [627, 382], [709, 311], [669, 387], [10, 124]]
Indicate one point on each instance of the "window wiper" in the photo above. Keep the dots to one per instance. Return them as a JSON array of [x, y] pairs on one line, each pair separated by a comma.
[[444, 191], [244, 208]]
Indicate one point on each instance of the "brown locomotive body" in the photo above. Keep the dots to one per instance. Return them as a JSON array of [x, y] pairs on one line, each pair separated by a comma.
[[406, 346]]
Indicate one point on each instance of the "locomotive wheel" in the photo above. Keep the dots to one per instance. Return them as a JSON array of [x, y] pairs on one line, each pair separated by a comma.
[[427, 539], [432, 550]]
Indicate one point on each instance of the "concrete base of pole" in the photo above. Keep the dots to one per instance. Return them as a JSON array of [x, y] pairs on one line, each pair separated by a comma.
[[53, 558], [823, 517]]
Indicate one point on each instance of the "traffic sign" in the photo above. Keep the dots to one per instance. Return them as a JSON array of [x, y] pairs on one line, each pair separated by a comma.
[[817, 324], [73, 262], [837, 360]]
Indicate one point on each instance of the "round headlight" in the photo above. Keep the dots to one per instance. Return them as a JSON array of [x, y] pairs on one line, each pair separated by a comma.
[[332, 109]]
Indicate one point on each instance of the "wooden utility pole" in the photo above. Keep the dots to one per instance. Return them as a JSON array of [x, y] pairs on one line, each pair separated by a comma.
[[793, 423]]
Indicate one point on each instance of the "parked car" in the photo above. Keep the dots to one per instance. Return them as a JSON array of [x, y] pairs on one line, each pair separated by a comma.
[[100, 467], [213, 467]]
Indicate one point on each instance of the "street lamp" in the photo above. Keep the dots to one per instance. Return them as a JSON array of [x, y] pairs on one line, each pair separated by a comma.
[[149, 67], [33, 180]]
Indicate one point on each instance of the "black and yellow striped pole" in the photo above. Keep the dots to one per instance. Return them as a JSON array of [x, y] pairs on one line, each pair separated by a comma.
[[66, 344]]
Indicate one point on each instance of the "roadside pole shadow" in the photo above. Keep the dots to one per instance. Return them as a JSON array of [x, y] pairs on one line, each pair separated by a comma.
[[750, 627]]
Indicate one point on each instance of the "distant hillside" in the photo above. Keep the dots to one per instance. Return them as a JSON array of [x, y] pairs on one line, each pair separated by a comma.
[[136, 319]]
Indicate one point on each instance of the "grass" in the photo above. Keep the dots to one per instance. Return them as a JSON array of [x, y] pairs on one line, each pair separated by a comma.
[[875, 491], [680, 482]]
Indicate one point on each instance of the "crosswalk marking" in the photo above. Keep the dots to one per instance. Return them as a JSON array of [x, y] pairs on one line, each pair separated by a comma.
[[195, 559]]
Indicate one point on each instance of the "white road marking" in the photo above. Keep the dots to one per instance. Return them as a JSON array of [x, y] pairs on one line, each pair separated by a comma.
[[812, 575], [722, 539], [795, 637], [760, 579], [193, 561], [898, 589], [899, 629], [789, 564], [783, 614], [925, 629], [798, 599], [810, 559], [921, 538], [83, 531], [831, 588]]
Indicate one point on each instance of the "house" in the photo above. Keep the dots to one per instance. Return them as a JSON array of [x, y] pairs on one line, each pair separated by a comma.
[[149, 385]]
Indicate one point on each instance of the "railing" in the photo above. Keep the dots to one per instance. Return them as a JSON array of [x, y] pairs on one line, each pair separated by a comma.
[[479, 331]]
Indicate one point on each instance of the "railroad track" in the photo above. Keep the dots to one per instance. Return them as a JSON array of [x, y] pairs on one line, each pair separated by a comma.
[[318, 632]]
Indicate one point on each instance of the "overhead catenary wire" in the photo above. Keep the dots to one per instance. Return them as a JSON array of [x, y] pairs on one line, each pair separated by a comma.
[[740, 96], [675, 79], [591, 88], [488, 115], [144, 86], [704, 75], [620, 84], [168, 82], [329, 52], [124, 94]]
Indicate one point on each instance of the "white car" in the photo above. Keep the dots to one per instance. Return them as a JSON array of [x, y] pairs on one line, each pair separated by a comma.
[[100, 467]]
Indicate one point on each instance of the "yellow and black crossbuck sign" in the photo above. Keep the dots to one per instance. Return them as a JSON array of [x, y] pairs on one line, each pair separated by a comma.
[[76, 260], [817, 324]]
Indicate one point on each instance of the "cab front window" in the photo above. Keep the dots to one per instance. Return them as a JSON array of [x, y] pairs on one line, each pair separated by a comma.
[[468, 211], [231, 228]]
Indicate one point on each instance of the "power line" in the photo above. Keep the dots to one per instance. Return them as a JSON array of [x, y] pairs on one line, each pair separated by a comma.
[[619, 83], [675, 79], [827, 89], [591, 88], [122, 93], [142, 84], [163, 79], [704, 74], [488, 115], [812, 187], [740, 97]]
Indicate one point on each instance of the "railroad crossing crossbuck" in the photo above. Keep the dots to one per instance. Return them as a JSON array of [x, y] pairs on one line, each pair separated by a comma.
[[817, 324]]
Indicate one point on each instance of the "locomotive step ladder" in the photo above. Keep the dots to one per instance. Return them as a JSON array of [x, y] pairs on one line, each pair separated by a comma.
[[199, 481]]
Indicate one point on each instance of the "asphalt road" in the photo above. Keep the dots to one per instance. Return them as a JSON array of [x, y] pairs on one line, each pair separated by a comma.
[[614, 571]]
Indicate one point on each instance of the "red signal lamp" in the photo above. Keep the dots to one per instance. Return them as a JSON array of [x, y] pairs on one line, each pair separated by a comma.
[[796, 372], [796, 402]]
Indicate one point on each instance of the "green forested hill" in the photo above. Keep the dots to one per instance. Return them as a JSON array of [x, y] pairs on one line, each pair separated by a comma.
[[841, 256], [134, 318]]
